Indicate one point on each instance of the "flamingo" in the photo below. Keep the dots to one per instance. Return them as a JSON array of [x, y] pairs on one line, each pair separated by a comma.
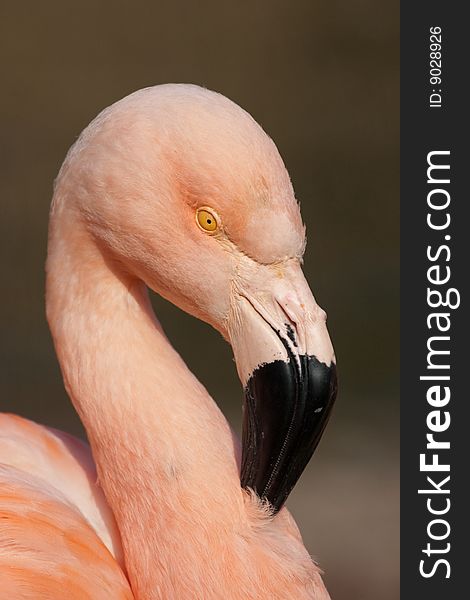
[[177, 189]]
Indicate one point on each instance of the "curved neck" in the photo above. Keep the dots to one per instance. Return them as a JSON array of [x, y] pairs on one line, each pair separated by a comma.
[[165, 455]]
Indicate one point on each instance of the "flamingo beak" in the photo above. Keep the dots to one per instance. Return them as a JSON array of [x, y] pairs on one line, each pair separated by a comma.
[[286, 364]]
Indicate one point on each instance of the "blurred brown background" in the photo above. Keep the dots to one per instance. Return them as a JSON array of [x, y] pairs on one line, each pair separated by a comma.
[[322, 79]]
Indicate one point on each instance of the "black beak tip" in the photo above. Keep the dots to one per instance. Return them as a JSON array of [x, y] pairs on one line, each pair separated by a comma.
[[287, 407]]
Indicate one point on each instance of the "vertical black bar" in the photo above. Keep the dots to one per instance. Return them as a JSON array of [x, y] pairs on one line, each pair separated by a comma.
[[430, 124]]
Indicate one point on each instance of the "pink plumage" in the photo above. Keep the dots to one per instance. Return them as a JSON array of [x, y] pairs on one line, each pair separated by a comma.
[[163, 514]]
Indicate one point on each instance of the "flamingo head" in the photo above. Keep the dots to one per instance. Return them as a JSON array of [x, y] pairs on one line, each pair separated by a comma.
[[187, 193]]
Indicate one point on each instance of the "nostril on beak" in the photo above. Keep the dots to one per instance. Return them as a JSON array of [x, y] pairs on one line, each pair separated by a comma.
[[291, 334], [293, 308], [290, 337]]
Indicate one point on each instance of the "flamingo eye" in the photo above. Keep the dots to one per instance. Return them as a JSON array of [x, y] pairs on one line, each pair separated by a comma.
[[206, 220]]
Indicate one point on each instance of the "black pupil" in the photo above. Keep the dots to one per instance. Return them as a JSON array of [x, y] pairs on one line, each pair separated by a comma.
[[209, 221]]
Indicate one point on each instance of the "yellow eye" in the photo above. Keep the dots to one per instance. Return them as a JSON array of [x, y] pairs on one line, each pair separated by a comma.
[[206, 220]]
